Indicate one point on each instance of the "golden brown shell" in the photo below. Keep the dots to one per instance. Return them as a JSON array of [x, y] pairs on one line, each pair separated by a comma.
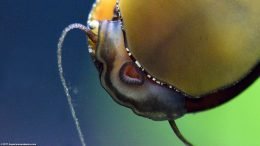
[[197, 46]]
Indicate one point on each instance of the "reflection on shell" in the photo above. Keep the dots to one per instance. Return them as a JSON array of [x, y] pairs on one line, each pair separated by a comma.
[[197, 46]]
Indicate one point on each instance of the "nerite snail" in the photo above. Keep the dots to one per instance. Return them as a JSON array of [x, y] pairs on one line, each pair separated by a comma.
[[166, 58]]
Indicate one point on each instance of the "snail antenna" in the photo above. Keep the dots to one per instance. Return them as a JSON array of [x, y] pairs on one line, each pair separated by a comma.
[[93, 38], [178, 133]]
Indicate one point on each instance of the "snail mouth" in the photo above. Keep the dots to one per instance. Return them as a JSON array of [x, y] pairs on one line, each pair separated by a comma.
[[130, 74]]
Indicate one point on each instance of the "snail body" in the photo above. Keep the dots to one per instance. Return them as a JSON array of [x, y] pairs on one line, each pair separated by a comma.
[[194, 69], [166, 58]]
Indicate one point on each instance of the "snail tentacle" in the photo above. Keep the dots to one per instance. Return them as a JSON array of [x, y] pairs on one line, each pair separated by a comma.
[[93, 38], [178, 133]]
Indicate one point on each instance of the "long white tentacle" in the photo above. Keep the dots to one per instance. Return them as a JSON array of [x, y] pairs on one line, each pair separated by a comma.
[[63, 81]]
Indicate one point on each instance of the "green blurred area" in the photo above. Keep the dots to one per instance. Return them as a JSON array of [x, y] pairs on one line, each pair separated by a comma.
[[236, 123]]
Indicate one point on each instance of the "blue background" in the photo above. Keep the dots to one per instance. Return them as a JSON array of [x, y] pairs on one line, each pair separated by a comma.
[[33, 108]]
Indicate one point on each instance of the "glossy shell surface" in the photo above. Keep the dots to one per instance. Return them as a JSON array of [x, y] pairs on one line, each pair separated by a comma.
[[198, 46], [163, 64]]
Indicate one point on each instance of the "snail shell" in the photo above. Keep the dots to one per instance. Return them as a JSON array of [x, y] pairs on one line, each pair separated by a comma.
[[166, 58], [183, 57], [198, 46]]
